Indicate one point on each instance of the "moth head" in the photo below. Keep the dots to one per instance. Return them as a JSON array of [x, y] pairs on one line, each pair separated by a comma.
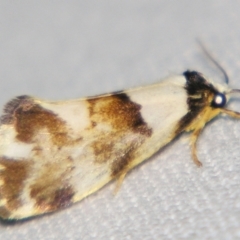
[[219, 100], [201, 93], [222, 94], [205, 100]]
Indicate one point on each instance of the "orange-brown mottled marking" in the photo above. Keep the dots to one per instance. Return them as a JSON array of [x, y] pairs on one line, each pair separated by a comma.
[[55, 199], [124, 117], [13, 175], [31, 120], [45, 189], [120, 112]]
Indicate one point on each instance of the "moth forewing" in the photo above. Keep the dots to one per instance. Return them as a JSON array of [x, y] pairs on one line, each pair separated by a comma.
[[55, 153]]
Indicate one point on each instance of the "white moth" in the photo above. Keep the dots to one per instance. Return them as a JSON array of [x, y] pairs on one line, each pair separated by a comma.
[[53, 154]]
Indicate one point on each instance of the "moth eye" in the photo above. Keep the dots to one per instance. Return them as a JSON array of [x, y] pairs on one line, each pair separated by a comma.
[[219, 100]]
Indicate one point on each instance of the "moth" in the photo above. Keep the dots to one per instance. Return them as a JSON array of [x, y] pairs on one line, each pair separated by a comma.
[[53, 154]]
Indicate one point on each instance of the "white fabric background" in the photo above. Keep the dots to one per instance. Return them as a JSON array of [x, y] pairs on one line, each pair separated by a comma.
[[69, 49]]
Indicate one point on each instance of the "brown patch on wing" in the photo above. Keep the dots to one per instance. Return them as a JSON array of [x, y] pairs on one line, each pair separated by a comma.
[[29, 118], [62, 197], [50, 190], [127, 130], [32, 118], [47, 200], [13, 175], [120, 112]]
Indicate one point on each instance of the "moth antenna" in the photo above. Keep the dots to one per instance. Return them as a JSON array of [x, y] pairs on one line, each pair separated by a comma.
[[234, 91], [213, 60]]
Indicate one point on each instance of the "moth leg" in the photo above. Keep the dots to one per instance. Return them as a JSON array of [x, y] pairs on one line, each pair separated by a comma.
[[230, 113], [194, 138], [120, 181]]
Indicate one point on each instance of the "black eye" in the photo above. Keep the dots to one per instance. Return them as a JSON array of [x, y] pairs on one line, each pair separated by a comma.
[[219, 100]]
